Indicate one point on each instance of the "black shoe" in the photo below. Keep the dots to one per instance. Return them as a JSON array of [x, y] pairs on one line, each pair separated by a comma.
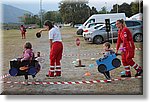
[[33, 76], [139, 73], [58, 76], [47, 75], [126, 76]]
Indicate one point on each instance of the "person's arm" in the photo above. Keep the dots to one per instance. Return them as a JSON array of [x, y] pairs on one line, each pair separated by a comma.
[[50, 42], [44, 29], [128, 38], [51, 37], [26, 56], [131, 42], [118, 43]]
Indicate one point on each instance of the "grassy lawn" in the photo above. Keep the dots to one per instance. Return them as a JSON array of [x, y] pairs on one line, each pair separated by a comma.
[[13, 47]]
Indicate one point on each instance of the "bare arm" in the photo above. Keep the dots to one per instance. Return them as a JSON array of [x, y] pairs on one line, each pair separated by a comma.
[[44, 29], [50, 42], [118, 43]]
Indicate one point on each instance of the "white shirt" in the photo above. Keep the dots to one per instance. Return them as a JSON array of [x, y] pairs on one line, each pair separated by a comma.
[[55, 34]]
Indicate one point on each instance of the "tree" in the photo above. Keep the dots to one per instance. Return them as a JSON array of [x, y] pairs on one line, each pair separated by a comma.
[[74, 11], [114, 10], [52, 16], [135, 7], [126, 8], [93, 11], [29, 18], [129, 10], [123, 8], [103, 10]]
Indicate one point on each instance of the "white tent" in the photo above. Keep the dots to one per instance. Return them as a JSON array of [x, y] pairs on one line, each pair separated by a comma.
[[138, 16]]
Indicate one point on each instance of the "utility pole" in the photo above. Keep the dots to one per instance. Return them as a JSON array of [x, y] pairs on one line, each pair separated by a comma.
[[139, 6], [106, 7], [41, 25], [117, 8]]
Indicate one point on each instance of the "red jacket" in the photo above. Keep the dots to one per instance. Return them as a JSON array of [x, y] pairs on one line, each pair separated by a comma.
[[125, 37]]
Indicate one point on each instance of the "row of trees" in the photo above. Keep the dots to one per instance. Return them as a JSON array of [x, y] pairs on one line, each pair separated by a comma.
[[77, 11], [35, 19], [128, 9]]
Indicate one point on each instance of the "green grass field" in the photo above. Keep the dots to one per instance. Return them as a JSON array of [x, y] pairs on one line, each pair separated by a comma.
[[13, 47]]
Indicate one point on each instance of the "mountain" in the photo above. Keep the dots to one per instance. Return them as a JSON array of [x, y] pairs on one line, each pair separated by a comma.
[[11, 14]]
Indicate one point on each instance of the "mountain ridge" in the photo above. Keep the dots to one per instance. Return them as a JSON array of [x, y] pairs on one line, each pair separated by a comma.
[[11, 14]]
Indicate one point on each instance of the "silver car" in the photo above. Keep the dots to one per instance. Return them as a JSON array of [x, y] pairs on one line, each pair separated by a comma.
[[100, 35]]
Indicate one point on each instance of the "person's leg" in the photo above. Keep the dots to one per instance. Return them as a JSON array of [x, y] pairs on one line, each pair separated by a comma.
[[52, 63], [59, 57], [22, 35], [26, 79], [127, 72], [26, 76], [107, 75], [139, 70]]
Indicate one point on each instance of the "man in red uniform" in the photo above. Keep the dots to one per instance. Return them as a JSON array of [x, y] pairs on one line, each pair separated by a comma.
[[125, 38]]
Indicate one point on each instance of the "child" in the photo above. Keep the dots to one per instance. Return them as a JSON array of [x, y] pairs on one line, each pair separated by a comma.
[[28, 52], [39, 59], [107, 52], [27, 55], [23, 31]]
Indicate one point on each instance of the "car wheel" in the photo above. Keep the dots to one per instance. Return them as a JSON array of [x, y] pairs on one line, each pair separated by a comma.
[[102, 68], [98, 40], [80, 32], [116, 62], [138, 37]]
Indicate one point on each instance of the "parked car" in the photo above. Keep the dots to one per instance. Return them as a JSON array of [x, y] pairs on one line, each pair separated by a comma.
[[87, 30], [77, 25], [89, 25], [100, 35], [100, 18]]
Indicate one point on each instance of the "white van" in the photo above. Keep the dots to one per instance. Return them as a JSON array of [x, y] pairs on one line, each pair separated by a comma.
[[101, 19]]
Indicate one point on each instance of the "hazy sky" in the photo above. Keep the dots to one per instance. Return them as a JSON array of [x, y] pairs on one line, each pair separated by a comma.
[[34, 5]]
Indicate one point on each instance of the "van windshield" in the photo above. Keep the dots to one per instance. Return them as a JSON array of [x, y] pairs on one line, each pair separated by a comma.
[[90, 21], [113, 25]]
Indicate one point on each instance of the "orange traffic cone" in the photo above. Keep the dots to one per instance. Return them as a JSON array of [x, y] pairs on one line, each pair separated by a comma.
[[87, 74]]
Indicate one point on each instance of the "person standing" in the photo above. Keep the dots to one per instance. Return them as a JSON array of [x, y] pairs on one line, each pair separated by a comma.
[[125, 38], [56, 48], [23, 31], [107, 52]]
